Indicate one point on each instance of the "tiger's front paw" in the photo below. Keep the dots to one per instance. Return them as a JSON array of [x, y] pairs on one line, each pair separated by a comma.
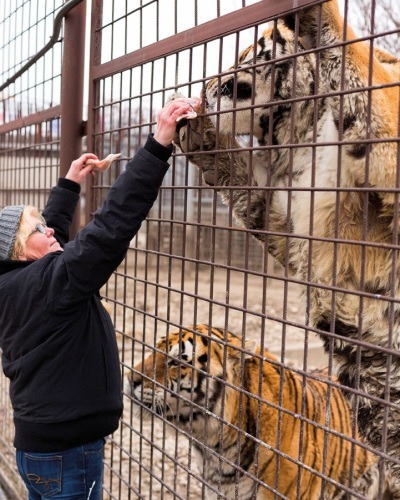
[[187, 136], [194, 135], [191, 138]]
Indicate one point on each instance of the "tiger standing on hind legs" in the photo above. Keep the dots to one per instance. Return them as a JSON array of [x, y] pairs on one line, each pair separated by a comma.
[[333, 220]]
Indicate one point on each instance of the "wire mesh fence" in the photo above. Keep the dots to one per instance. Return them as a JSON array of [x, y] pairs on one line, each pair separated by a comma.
[[256, 310]]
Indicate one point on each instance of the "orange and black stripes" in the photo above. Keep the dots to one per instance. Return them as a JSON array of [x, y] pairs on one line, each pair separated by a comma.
[[234, 411]]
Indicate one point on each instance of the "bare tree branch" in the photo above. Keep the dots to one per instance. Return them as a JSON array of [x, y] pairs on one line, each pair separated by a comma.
[[375, 17]]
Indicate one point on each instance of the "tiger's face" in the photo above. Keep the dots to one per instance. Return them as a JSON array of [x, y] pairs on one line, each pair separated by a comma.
[[186, 372], [248, 98]]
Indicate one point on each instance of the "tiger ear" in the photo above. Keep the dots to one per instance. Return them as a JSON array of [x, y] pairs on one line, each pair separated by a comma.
[[251, 346], [236, 351], [162, 343]]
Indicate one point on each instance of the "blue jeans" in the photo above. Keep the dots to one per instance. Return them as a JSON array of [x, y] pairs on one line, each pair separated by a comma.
[[74, 474]]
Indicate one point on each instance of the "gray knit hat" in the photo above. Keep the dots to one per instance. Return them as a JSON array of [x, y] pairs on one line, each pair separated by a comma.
[[9, 224]]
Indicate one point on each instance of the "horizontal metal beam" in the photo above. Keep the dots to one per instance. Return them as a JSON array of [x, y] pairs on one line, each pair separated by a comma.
[[221, 26], [33, 119]]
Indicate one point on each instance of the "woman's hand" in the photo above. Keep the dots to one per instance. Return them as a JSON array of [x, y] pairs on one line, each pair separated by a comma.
[[167, 118], [79, 169]]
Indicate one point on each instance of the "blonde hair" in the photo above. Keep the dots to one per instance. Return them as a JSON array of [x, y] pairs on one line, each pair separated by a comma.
[[26, 226]]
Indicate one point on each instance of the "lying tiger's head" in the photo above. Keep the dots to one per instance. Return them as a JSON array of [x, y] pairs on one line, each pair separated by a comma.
[[264, 74], [189, 362]]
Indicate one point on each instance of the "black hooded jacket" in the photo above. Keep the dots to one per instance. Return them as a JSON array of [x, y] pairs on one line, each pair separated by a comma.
[[58, 343]]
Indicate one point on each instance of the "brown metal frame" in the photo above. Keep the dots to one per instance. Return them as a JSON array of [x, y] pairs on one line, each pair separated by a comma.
[[72, 90]]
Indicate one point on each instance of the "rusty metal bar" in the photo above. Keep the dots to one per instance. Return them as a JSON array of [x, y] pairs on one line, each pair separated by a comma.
[[72, 92], [95, 58], [34, 119]]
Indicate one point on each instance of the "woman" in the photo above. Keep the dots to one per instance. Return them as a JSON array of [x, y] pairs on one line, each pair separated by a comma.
[[58, 342]]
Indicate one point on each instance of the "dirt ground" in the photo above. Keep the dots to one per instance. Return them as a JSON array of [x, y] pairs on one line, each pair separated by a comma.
[[146, 459]]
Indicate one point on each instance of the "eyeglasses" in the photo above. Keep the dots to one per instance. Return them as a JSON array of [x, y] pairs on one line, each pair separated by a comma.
[[40, 228]]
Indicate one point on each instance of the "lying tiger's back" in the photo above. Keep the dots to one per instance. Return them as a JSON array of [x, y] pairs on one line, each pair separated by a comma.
[[316, 428]]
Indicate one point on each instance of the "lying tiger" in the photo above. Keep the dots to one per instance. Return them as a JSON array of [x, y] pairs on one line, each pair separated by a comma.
[[327, 199], [216, 383]]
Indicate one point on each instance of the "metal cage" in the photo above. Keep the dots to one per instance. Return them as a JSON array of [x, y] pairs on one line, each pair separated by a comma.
[[194, 263]]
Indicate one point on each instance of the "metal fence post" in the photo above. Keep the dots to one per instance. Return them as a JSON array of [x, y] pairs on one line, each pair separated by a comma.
[[93, 98], [72, 92]]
